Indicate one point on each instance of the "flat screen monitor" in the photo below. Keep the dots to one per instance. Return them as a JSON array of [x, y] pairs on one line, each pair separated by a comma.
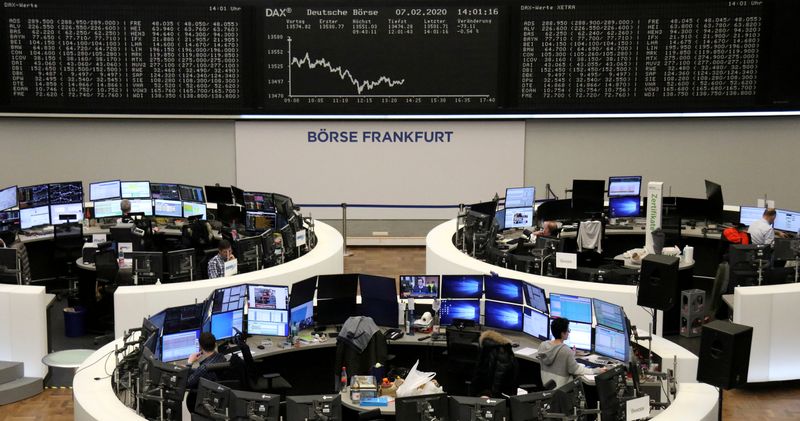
[[419, 286], [219, 194], [9, 221], [66, 209], [529, 407], [259, 221], [611, 343], [303, 315], [462, 286], [303, 291], [469, 408], [503, 315], [625, 186], [34, 217], [608, 314], [715, 200], [63, 193], [378, 287], [576, 309], [422, 407], [103, 190], [624, 206], [191, 209], [536, 324], [179, 346], [183, 318], [238, 195], [450, 310], [158, 319], [164, 191], [535, 297], [383, 312], [518, 217], [314, 407], [135, 189], [580, 335], [500, 218], [229, 299], [588, 195], [503, 289], [748, 215], [109, 209], [335, 311], [144, 206], [258, 201], [270, 297], [148, 266], [520, 197], [337, 286], [224, 325], [786, 220], [486, 208], [33, 196], [191, 193], [254, 406], [8, 198], [168, 208]]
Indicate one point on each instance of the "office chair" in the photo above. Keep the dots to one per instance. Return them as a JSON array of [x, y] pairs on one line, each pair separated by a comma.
[[719, 288], [202, 267], [362, 363], [463, 352], [67, 248], [251, 377], [590, 257], [371, 415], [107, 271]]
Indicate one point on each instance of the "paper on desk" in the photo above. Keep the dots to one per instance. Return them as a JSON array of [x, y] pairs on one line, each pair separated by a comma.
[[526, 352]]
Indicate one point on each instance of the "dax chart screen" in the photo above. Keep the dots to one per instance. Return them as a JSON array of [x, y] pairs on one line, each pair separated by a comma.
[[400, 58]]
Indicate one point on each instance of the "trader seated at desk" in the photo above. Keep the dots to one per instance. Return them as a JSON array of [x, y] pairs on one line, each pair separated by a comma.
[[208, 355], [125, 207], [761, 231], [216, 266], [549, 229], [558, 360]]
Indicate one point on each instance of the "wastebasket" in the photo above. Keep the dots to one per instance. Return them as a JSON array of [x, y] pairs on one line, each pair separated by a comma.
[[74, 321]]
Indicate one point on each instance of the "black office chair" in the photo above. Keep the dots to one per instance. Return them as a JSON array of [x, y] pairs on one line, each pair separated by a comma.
[[106, 275], [67, 248], [371, 415], [251, 376], [463, 352], [202, 267], [362, 363]]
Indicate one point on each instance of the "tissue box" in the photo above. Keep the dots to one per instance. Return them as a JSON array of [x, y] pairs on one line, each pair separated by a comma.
[[363, 387]]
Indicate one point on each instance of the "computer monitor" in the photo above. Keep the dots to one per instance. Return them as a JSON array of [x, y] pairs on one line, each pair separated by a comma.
[[530, 406], [229, 299], [535, 324], [588, 195], [157, 319], [315, 407], [168, 208], [238, 195], [246, 406], [611, 343], [485, 208], [625, 186], [423, 407], [180, 345], [191, 193], [258, 201], [303, 315], [219, 194], [500, 219], [520, 197], [144, 206], [786, 220], [147, 266], [103, 190], [624, 206], [748, 215], [63, 193], [379, 299], [518, 217], [249, 254], [462, 286], [135, 190], [289, 240], [34, 217], [303, 291], [337, 286], [180, 264], [56, 211], [715, 200], [183, 318], [503, 289], [107, 209], [503, 315], [450, 310], [469, 408], [225, 325], [535, 297], [8, 198], [419, 286], [191, 209], [33, 196], [164, 191], [609, 393], [9, 221], [574, 308], [213, 400], [259, 221], [608, 314], [580, 335], [268, 310], [335, 311]]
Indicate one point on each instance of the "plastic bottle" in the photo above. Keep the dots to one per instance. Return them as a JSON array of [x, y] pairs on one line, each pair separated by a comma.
[[294, 331], [343, 380]]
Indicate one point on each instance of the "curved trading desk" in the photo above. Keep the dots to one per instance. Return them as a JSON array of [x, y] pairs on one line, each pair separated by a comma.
[[95, 399], [133, 303]]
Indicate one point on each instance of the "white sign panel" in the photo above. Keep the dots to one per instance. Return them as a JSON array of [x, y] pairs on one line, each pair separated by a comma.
[[300, 238], [231, 267], [655, 193], [637, 409], [566, 260]]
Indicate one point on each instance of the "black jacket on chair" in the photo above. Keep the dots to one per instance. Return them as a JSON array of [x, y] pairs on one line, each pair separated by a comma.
[[496, 373], [361, 363]]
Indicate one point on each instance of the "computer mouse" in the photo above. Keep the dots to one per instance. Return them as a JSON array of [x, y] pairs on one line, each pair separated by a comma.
[[514, 345], [261, 347]]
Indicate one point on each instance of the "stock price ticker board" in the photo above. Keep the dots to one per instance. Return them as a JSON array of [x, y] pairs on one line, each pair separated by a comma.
[[274, 57], [381, 58]]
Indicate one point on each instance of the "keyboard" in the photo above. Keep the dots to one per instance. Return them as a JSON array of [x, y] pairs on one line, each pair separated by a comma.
[[588, 363], [619, 227]]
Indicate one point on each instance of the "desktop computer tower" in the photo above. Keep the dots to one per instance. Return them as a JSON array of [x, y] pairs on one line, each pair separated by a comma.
[[693, 310], [724, 354]]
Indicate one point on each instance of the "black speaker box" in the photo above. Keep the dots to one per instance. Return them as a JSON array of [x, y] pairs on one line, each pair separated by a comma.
[[724, 354], [658, 285]]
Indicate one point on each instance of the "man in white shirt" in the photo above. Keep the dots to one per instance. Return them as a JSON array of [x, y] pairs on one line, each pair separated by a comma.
[[761, 231]]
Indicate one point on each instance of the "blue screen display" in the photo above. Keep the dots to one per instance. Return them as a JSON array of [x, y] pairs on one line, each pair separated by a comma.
[[222, 324], [462, 286], [503, 289], [624, 207], [303, 315], [158, 319], [500, 218], [576, 309], [503, 316], [610, 315], [611, 343], [459, 309]]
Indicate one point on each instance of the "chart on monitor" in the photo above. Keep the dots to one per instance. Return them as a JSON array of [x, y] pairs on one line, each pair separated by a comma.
[[412, 58]]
